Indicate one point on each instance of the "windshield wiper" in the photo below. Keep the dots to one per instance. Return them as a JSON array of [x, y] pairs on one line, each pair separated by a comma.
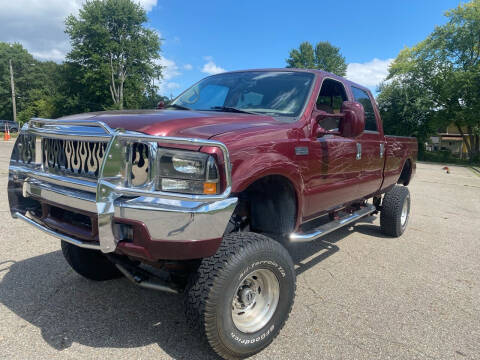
[[230, 109], [176, 106]]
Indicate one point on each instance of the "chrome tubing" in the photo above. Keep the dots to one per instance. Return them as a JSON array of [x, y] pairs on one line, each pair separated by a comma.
[[53, 129], [104, 193], [332, 225], [79, 243]]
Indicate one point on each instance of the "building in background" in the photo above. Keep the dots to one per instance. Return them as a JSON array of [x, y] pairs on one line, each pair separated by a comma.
[[451, 140]]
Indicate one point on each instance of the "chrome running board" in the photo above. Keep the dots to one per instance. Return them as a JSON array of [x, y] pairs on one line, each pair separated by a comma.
[[332, 225]]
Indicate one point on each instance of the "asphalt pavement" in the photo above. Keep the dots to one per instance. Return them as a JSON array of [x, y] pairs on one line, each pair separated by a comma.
[[360, 295]]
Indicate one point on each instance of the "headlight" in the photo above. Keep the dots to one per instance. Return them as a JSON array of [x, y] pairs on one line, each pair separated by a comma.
[[188, 166], [188, 172]]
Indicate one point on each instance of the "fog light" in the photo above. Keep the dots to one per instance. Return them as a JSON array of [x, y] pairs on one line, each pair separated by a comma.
[[123, 232]]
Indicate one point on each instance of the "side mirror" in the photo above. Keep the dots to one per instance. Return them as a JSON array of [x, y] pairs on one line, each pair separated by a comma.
[[352, 123], [318, 116], [160, 105]]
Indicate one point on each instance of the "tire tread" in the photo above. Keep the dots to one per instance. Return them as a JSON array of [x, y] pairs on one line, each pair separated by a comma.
[[199, 308], [390, 215]]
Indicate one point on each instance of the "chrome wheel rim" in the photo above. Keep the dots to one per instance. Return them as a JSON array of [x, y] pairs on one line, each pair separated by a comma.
[[255, 300], [405, 211]]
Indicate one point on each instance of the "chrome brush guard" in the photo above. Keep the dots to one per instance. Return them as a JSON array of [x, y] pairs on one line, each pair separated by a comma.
[[109, 191]]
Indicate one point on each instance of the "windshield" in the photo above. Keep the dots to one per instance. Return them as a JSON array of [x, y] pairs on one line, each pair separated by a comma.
[[276, 93]]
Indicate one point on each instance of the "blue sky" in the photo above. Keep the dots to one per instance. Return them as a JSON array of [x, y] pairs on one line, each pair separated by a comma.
[[245, 34], [210, 36]]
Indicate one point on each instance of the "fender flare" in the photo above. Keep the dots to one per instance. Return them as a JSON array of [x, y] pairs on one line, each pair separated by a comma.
[[251, 171]]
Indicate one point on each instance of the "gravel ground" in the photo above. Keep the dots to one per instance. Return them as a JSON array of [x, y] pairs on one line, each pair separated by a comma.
[[359, 296]]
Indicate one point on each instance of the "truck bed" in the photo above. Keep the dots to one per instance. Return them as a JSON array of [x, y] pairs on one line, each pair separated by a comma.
[[398, 151]]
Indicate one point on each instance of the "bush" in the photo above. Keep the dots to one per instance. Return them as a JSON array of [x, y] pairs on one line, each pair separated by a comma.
[[444, 156]]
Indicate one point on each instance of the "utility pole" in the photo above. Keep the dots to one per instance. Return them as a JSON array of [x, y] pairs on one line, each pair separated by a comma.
[[12, 84]]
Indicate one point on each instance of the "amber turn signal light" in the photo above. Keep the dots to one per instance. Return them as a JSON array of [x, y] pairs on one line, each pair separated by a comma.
[[209, 188]]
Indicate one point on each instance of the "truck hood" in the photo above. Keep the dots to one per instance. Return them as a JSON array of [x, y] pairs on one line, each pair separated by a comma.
[[182, 123]]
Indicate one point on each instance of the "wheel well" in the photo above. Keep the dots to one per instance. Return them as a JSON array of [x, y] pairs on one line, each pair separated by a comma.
[[406, 173], [269, 206]]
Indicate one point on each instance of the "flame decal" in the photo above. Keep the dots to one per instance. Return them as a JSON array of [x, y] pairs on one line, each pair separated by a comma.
[[140, 162], [73, 157]]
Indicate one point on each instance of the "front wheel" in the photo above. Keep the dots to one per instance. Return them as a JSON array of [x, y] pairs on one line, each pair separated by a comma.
[[91, 264], [241, 297]]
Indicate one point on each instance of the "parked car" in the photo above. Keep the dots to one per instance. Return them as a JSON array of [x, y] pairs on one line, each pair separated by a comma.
[[12, 125], [210, 189]]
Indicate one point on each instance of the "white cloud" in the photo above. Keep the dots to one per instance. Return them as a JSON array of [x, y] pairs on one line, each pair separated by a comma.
[[188, 67], [211, 68], [39, 25], [148, 4], [170, 68], [370, 73], [173, 85], [52, 54], [169, 71], [166, 88]]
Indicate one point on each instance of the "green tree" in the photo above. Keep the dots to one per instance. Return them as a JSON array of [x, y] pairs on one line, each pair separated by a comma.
[[35, 84], [405, 110], [445, 71], [114, 55], [325, 57]]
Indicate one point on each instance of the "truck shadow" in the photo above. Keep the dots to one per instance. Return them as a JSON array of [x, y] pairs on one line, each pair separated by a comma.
[[307, 255], [45, 291]]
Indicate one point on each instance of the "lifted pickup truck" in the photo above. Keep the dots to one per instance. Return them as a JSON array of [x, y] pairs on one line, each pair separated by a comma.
[[202, 196]]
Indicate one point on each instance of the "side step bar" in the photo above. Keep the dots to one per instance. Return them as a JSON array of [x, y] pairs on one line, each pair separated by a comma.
[[332, 225]]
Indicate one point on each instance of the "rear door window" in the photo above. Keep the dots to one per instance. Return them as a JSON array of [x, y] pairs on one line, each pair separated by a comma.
[[362, 97]]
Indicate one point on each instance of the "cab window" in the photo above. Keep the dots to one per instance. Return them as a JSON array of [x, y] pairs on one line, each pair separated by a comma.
[[362, 97], [330, 99]]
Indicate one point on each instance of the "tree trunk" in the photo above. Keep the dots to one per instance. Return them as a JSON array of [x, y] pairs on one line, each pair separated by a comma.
[[113, 86], [120, 90], [476, 148], [466, 140]]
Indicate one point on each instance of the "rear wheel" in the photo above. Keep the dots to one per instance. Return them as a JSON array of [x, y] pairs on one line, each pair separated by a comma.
[[91, 264], [395, 211], [241, 297]]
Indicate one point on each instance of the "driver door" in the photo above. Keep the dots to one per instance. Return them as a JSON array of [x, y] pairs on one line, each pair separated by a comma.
[[333, 168]]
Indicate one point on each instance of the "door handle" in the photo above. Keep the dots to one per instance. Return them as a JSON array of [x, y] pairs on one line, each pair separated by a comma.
[[359, 151], [382, 150]]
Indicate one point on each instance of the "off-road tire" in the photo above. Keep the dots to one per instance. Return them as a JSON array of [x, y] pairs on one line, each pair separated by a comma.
[[391, 213], [91, 264], [209, 294]]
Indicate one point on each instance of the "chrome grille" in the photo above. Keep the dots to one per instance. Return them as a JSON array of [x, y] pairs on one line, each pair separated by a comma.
[[84, 159], [80, 158], [25, 151], [140, 164]]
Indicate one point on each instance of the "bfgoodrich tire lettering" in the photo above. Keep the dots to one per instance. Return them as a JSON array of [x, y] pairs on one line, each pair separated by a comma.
[[212, 289]]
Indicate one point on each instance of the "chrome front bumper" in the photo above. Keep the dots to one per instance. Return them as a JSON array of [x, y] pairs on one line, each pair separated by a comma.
[[166, 216]]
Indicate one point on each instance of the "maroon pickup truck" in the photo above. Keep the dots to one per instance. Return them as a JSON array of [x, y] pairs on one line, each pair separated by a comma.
[[204, 195]]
